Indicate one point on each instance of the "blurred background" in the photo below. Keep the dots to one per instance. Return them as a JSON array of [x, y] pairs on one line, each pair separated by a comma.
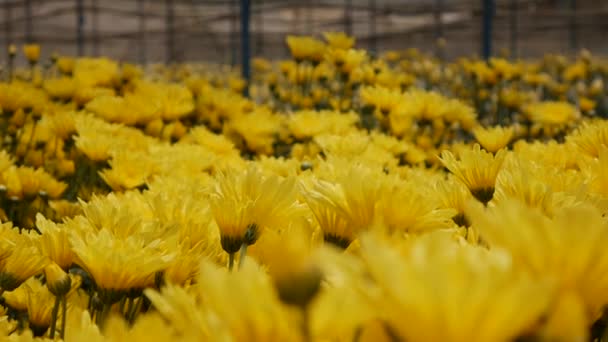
[[210, 30]]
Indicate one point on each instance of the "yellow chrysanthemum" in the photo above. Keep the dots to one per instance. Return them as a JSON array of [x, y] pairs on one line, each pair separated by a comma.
[[477, 169], [493, 138]]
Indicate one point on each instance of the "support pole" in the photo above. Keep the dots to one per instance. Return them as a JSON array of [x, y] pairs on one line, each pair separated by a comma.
[[513, 27], [29, 35], [573, 28], [373, 36], [141, 51], [348, 17], [8, 25], [245, 46], [438, 11], [309, 17], [80, 26], [486, 28], [95, 29], [437, 14], [259, 46], [170, 27], [233, 31]]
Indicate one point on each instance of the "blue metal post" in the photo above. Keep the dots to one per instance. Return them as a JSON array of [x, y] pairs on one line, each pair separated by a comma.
[[245, 46], [80, 26], [486, 28]]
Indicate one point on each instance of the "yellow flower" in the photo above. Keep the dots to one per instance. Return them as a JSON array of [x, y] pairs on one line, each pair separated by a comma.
[[40, 302], [476, 169], [65, 209], [587, 105], [307, 124], [12, 49], [118, 265], [96, 72], [256, 132], [24, 262], [60, 88], [244, 204], [54, 242], [565, 248], [305, 48], [339, 40], [493, 138], [526, 181], [217, 143], [57, 281], [347, 205], [407, 207], [288, 256], [31, 52], [65, 64], [128, 171], [451, 292], [551, 113], [384, 100], [589, 137]]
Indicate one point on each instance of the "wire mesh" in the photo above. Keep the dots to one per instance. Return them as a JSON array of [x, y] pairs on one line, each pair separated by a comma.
[[209, 30]]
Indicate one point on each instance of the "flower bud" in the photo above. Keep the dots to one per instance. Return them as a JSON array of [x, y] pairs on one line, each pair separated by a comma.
[[32, 52], [57, 280]]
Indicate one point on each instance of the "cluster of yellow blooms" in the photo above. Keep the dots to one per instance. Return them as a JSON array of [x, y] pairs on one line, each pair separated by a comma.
[[349, 198]]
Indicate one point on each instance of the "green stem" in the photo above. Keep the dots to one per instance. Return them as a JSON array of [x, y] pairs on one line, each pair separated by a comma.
[[121, 305], [64, 313], [135, 309], [102, 315], [230, 261], [243, 254], [54, 316], [305, 324]]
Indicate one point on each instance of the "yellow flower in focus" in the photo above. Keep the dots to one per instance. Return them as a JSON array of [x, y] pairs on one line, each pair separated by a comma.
[[118, 265], [244, 204], [24, 262], [346, 206], [476, 169], [58, 281], [407, 207], [588, 138], [526, 181], [493, 139], [54, 242]]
